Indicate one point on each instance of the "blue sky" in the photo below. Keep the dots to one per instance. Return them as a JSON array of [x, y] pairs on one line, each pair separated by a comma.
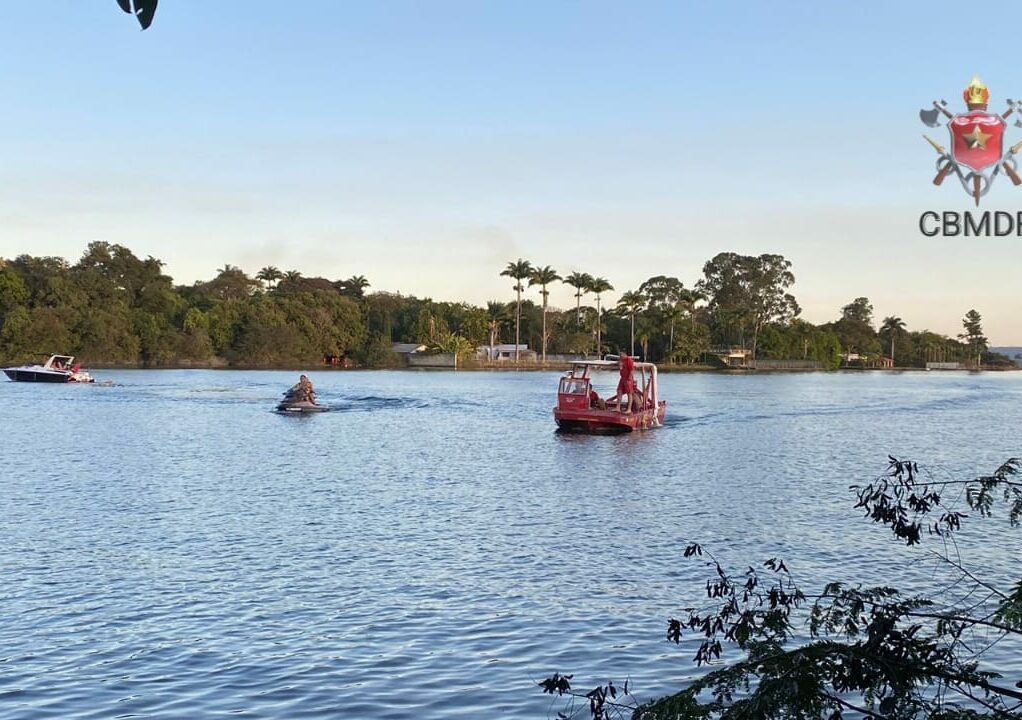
[[424, 145]]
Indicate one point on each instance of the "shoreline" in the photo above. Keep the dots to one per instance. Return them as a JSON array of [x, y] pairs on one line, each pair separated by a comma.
[[531, 367]]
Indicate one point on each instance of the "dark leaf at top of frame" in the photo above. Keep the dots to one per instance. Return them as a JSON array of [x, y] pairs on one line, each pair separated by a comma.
[[143, 10]]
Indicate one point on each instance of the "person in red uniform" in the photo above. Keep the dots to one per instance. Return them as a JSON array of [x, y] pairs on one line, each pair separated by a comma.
[[626, 383]]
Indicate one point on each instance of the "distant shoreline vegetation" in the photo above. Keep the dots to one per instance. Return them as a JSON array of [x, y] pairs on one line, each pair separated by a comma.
[[112, 308]]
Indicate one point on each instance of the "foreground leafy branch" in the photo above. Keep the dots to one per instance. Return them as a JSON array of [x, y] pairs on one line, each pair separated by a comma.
[[600, 702], [863, 652], [906, 502]]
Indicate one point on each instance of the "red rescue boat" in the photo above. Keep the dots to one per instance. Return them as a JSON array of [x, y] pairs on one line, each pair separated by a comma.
[[635, 406]]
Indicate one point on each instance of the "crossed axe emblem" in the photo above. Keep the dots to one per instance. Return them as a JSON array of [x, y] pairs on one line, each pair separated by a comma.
[[974, 182]]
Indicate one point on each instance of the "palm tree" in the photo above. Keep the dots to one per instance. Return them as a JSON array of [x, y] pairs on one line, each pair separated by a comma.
[[354, 286], [543, 276], [581, 283], [232, 282], [597, 286], [629, 304], [269, 275], [519, 271], [804, 332], [683, 306], [292, 276], [454, 344], [689, 300], [496, 314], [893, 325], [644, 333]]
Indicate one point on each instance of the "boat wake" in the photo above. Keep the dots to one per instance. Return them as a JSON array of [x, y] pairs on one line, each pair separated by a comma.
[[372, 403]]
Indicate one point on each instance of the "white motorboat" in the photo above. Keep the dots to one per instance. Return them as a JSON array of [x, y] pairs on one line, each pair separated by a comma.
[[58, 369]]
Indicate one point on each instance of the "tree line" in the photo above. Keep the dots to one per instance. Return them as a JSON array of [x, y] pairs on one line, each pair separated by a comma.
[[741, 301], [112, 307]]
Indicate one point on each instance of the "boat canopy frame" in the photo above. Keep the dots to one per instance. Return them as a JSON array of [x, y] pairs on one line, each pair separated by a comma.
[[646, 370], [66, 360]]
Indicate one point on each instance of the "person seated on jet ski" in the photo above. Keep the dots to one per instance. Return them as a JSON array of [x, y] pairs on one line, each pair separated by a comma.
[[306, 386], [303, 390]]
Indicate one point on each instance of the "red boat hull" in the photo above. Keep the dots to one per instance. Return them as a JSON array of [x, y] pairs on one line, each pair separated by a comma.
[[592, 420]]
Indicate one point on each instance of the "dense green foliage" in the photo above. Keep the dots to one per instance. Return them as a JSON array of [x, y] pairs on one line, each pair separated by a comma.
[[112, 307]]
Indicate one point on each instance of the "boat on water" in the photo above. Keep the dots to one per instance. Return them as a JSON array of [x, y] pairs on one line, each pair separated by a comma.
[[581, 409], [58, 369]]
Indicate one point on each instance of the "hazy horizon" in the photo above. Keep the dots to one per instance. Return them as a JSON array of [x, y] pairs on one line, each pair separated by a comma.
[[426, 147]]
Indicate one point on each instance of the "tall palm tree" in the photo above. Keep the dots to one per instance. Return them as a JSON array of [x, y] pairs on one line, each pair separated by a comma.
[[519, 271], [543, 276], [581, 283], [893, 325], [629, 304], [683, 306], [689, 299], [270, 275], [671, 315], [597, 286], [644, 332]]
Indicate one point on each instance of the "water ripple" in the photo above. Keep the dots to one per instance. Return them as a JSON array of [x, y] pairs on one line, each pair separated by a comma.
[[174, 549]]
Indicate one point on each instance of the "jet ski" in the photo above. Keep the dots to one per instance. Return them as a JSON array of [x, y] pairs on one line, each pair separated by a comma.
[[295, 402]]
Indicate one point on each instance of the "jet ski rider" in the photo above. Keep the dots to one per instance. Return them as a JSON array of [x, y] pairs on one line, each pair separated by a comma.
[[304, 390]]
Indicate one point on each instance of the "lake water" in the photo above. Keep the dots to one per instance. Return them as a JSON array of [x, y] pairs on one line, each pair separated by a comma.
[[171, 548]]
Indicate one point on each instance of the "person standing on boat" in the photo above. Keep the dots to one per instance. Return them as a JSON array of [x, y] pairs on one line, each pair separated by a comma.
[[626, 383]]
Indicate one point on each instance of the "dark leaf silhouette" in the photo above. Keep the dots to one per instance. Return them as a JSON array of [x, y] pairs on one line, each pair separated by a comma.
[[143, 10]]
